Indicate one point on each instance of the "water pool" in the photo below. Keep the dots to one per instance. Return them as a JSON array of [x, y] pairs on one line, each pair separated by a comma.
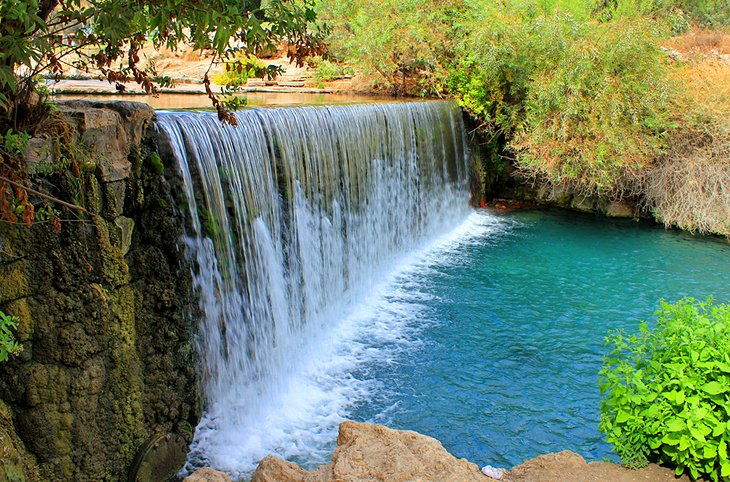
[[505, 328]]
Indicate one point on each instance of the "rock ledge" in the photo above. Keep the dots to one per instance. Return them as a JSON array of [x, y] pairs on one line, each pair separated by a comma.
[[368, 452]]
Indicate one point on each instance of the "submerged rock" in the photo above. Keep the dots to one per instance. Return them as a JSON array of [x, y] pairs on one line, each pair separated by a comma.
[[367, 452]]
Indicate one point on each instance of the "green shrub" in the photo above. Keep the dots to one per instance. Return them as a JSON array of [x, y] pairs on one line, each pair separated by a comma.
[[707, 13], [8, 345], [238, 71], [327, 70], [667, 390], [395, 45], [584, 104]]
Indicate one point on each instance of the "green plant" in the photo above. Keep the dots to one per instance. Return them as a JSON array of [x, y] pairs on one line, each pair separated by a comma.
[[156, 163], [395, 45], [582, 104], [237, 71], [326, 70], [666, 390], [13, 143], [8, 345], [210, 224], [46, 36]]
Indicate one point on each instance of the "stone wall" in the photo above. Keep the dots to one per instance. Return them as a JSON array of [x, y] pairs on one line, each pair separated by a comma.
[[106, 384]]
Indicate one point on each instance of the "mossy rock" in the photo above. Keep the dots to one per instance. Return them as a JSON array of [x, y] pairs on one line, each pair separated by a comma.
[[16, 464]]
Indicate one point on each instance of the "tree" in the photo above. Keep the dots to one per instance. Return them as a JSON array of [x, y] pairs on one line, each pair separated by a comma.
[[45, 37], [40, 36]]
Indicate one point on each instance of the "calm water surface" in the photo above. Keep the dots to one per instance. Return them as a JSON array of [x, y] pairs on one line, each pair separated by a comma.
[[507, 327]]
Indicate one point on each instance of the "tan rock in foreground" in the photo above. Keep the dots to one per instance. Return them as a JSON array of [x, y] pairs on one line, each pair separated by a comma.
[[568, 466], [274, 469], [373, 452], [207, 475], [368, 453]]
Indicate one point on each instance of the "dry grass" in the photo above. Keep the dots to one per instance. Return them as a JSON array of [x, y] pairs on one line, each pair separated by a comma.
[[700, 41], [692, 192], [690, 187]]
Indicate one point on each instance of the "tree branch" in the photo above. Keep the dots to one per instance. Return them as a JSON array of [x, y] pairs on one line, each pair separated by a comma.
[[45, 196], [45, 8]]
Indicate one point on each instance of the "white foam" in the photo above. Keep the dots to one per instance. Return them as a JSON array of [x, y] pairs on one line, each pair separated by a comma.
[[306, 223], [302, 422]]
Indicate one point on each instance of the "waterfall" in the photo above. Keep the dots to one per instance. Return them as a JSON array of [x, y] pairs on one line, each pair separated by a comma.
[[297, 215]]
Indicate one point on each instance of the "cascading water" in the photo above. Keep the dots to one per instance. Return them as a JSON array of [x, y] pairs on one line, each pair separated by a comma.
[[298, 214]]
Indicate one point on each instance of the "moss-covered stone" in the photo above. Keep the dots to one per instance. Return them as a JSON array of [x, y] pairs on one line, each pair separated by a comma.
[[94, 195], [16, 464], [104, 313], [21, 312], [13, 281]]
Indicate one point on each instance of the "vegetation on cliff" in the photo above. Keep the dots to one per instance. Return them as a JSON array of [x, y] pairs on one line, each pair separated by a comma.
[[8, 344], [580, 95]]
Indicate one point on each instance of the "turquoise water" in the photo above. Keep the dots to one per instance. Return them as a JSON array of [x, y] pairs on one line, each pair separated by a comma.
[[503, 329]]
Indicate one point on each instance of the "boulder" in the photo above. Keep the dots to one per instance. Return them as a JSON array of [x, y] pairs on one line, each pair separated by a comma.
[[373, 452], [109, 130], [274, 469], [567, 466], [207, 475], [367, 452]]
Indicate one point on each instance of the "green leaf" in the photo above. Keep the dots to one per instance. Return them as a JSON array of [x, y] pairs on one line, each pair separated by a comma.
[[622, 416], [671, 439], [725, 469], [676, 425], [697, 434], [714, 388]]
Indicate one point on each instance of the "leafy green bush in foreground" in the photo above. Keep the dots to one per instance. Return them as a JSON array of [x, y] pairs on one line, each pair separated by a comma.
[[667, 390]]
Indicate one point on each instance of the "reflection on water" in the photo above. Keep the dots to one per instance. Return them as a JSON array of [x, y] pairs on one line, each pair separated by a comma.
[[201, 101]]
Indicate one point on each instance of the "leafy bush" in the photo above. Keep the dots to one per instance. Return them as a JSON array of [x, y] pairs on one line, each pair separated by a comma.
[[327, 70], [236, 72], [583, 104], [667, 390], [8, 345], [689, 187], [707, 13], [395, 45]]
